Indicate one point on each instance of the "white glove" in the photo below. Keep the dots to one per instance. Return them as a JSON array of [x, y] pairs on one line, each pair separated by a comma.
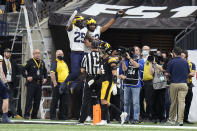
[[90, 82], [114, 90]]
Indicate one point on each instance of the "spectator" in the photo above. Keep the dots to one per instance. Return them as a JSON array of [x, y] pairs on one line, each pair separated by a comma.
[[10, 68], [178, 70], [189, 95]]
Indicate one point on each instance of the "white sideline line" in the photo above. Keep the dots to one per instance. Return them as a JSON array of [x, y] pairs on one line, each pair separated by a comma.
[[45, 122], [154, 126], [115, 125]]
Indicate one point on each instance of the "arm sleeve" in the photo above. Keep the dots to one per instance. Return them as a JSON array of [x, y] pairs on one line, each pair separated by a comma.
[[84, 61], [53, 67], [141, 63]]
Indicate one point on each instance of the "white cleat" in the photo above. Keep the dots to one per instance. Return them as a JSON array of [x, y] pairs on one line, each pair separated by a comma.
[[102, 123], [88, 118], [123, 117]]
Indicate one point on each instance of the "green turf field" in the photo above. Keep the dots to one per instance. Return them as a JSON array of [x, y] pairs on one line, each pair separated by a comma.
[[71, 126], [39, 127]]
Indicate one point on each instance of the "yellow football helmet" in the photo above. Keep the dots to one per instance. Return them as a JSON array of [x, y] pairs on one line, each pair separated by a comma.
[[112, 60], [90, 21], [105, 45], [77, 18]]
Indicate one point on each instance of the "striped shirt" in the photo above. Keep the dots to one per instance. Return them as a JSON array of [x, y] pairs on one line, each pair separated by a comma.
[[91, 63]]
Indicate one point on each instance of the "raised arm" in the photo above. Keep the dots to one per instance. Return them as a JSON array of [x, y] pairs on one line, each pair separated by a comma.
[[69, 25], [119, 13]]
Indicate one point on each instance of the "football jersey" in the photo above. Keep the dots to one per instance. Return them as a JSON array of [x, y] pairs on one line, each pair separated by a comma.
[[95, 34], [76, 37]]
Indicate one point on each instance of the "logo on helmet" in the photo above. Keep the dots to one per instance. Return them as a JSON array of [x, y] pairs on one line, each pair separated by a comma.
[[91, 24], [78, 21]]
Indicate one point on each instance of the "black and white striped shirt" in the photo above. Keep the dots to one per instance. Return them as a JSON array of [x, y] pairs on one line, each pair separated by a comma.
[[91, 63]]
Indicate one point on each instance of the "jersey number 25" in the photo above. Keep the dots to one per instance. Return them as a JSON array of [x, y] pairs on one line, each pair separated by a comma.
[[79, 37]]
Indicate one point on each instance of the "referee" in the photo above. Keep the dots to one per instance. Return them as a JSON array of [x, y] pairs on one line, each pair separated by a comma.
[[91, 67]]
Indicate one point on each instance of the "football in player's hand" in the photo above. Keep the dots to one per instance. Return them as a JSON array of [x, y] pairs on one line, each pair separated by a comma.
[[121, 13], [78, 9]]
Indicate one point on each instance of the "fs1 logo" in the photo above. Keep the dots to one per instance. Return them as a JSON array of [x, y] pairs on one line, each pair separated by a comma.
[[139, 12]]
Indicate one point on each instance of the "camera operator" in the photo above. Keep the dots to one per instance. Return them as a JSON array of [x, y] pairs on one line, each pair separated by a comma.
[[129, 72], [147, 87], [159, 86], [137, 52]]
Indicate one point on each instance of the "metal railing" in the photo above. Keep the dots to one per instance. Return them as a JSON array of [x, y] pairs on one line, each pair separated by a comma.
[[187, 38]]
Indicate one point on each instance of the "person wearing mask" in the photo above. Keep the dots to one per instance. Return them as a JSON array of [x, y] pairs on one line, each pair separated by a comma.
[[147, 86], [59, 72], [11, 69], [189, 96], [129, 72], [178, 70], [36, 74]]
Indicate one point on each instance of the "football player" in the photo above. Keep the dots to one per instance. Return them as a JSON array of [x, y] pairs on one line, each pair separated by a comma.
[[76, 34], [107, 83], [4, 93], [95, 30]]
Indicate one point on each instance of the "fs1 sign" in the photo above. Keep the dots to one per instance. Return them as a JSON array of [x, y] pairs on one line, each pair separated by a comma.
[[140, 11]]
